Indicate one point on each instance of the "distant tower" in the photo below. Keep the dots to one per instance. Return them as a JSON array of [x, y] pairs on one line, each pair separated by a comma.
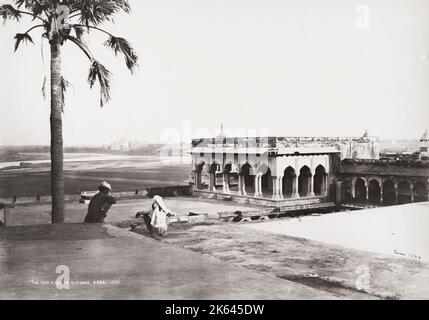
[[221, 134], [424, 146]]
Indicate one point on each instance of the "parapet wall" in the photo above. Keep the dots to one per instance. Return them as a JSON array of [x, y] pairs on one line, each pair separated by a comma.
[[393, 168], [348, 147], [170, 191]]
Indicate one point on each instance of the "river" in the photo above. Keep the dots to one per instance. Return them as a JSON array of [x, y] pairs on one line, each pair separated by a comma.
[[90, 157]]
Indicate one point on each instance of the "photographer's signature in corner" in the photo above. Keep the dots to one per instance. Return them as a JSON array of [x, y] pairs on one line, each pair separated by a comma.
[[409, 255]]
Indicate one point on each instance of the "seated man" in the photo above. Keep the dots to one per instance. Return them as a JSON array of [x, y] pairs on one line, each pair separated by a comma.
[[100, 204]]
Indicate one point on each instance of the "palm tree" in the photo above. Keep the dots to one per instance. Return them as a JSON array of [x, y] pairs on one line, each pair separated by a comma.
[[63, 22]]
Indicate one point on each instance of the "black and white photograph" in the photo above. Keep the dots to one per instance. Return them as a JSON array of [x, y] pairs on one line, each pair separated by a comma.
[[214, 150]]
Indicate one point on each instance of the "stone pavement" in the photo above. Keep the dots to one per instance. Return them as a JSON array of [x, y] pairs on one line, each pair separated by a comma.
[[123, 210], [106, 262]]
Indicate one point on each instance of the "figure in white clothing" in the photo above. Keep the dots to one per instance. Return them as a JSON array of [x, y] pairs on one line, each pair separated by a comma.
[[160, 217]]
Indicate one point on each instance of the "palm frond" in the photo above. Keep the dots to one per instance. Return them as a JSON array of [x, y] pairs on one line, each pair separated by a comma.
[[121, 45], [64, 84], [7, 12], [100, 73], [45, 81], [36, 7], [19, 37], [81, 45], [97, 11], [79, 31]]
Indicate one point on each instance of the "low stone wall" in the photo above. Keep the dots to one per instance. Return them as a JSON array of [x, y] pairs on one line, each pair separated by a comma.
[[38, 200], [261, 201], [260, 214], [170, 191]]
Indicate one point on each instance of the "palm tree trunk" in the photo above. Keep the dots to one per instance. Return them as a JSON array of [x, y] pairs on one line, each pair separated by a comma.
[[57, 179]]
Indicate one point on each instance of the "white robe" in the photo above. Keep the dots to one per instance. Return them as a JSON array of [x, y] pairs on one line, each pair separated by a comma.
[[159, 219]]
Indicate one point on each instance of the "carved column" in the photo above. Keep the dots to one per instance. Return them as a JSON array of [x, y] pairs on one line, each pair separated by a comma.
[[240, 184], [295, 193], [381, 192], [275, 187], [211, 182], [214, 181], [311, 191], [228, 182], [280, 188], [367, 190], [260, 185], [197, 178], [326, 186], [412, 191], [256, 184], [243, 189], [225, 182]]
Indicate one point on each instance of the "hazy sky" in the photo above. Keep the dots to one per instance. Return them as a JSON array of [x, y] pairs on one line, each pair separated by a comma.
[[285, 67]]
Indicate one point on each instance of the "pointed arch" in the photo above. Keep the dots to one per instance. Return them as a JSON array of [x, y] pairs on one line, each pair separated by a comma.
[[304, 181], [289, 182], [320, 180]]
